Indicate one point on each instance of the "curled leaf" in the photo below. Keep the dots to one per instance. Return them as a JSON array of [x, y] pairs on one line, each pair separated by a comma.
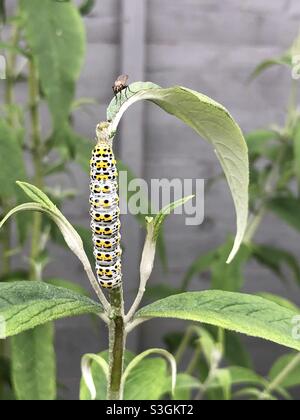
[[86, 368], [212, 122]]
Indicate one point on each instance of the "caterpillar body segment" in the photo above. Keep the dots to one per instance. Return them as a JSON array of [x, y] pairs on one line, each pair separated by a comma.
[[105, 212]]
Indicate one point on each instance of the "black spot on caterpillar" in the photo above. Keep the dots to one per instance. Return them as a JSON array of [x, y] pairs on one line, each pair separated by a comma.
[[105, 223]]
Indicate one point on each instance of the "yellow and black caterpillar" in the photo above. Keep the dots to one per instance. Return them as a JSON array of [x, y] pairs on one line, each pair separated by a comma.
[[105, 212]]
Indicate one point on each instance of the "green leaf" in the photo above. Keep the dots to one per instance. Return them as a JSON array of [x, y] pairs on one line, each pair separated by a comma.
[[160, 291], [11, 160], [212, 122], [274, 258], [279, 300], [86, 237], [257, 141], [66, 140], [242, 376], [43, 204], [246, 314], [203, 263], [184, 385], [37, 195], [146, 380], [33, 364], [134, 365], [222, 383], [252, 393], [66, 284], [25, 305], [18, 275], [2, 11], [56, 37], [13, 48], [285, 60], [84, 152], [166, 211], [86, 7], [5, 378], [87, 371], [293, 378], [235, 351], [288, 209], [229, 277], [99, 377]]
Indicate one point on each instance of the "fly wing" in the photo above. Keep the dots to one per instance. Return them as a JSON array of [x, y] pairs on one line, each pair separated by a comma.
[[123, 79]]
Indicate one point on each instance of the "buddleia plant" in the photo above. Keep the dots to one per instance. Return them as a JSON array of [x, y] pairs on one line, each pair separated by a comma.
[[118, 374]]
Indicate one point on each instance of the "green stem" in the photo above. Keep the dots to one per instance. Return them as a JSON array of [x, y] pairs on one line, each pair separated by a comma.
[[269, 189], [6, 238], [11, 119], [184, 344], [10, 77], [292, 105], [281, 377], [117, 338], [194, 361], [37, 156]]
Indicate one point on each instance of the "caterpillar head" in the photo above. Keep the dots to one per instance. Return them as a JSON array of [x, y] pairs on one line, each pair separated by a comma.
[[103, 133]]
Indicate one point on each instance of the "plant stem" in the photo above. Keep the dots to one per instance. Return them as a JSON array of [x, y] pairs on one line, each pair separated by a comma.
[[10, 77], [269, 189], [5, 235], [184, 344], [37, 155], [273, 178], [194, 361], [281, 377], [117, 338], [11, 119]]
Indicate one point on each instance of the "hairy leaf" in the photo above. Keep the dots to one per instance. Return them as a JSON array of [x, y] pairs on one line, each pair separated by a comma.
[[246, 314], [25, 305]]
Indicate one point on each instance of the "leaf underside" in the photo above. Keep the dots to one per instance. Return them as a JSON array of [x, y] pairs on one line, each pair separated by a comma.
[[213, 123]]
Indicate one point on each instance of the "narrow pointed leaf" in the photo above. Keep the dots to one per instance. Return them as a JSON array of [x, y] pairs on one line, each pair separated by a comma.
[[166, 211], [87, 374]]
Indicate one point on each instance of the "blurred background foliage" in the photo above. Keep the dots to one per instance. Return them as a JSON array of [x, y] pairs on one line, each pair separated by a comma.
[[46, 49], [50, 61]]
